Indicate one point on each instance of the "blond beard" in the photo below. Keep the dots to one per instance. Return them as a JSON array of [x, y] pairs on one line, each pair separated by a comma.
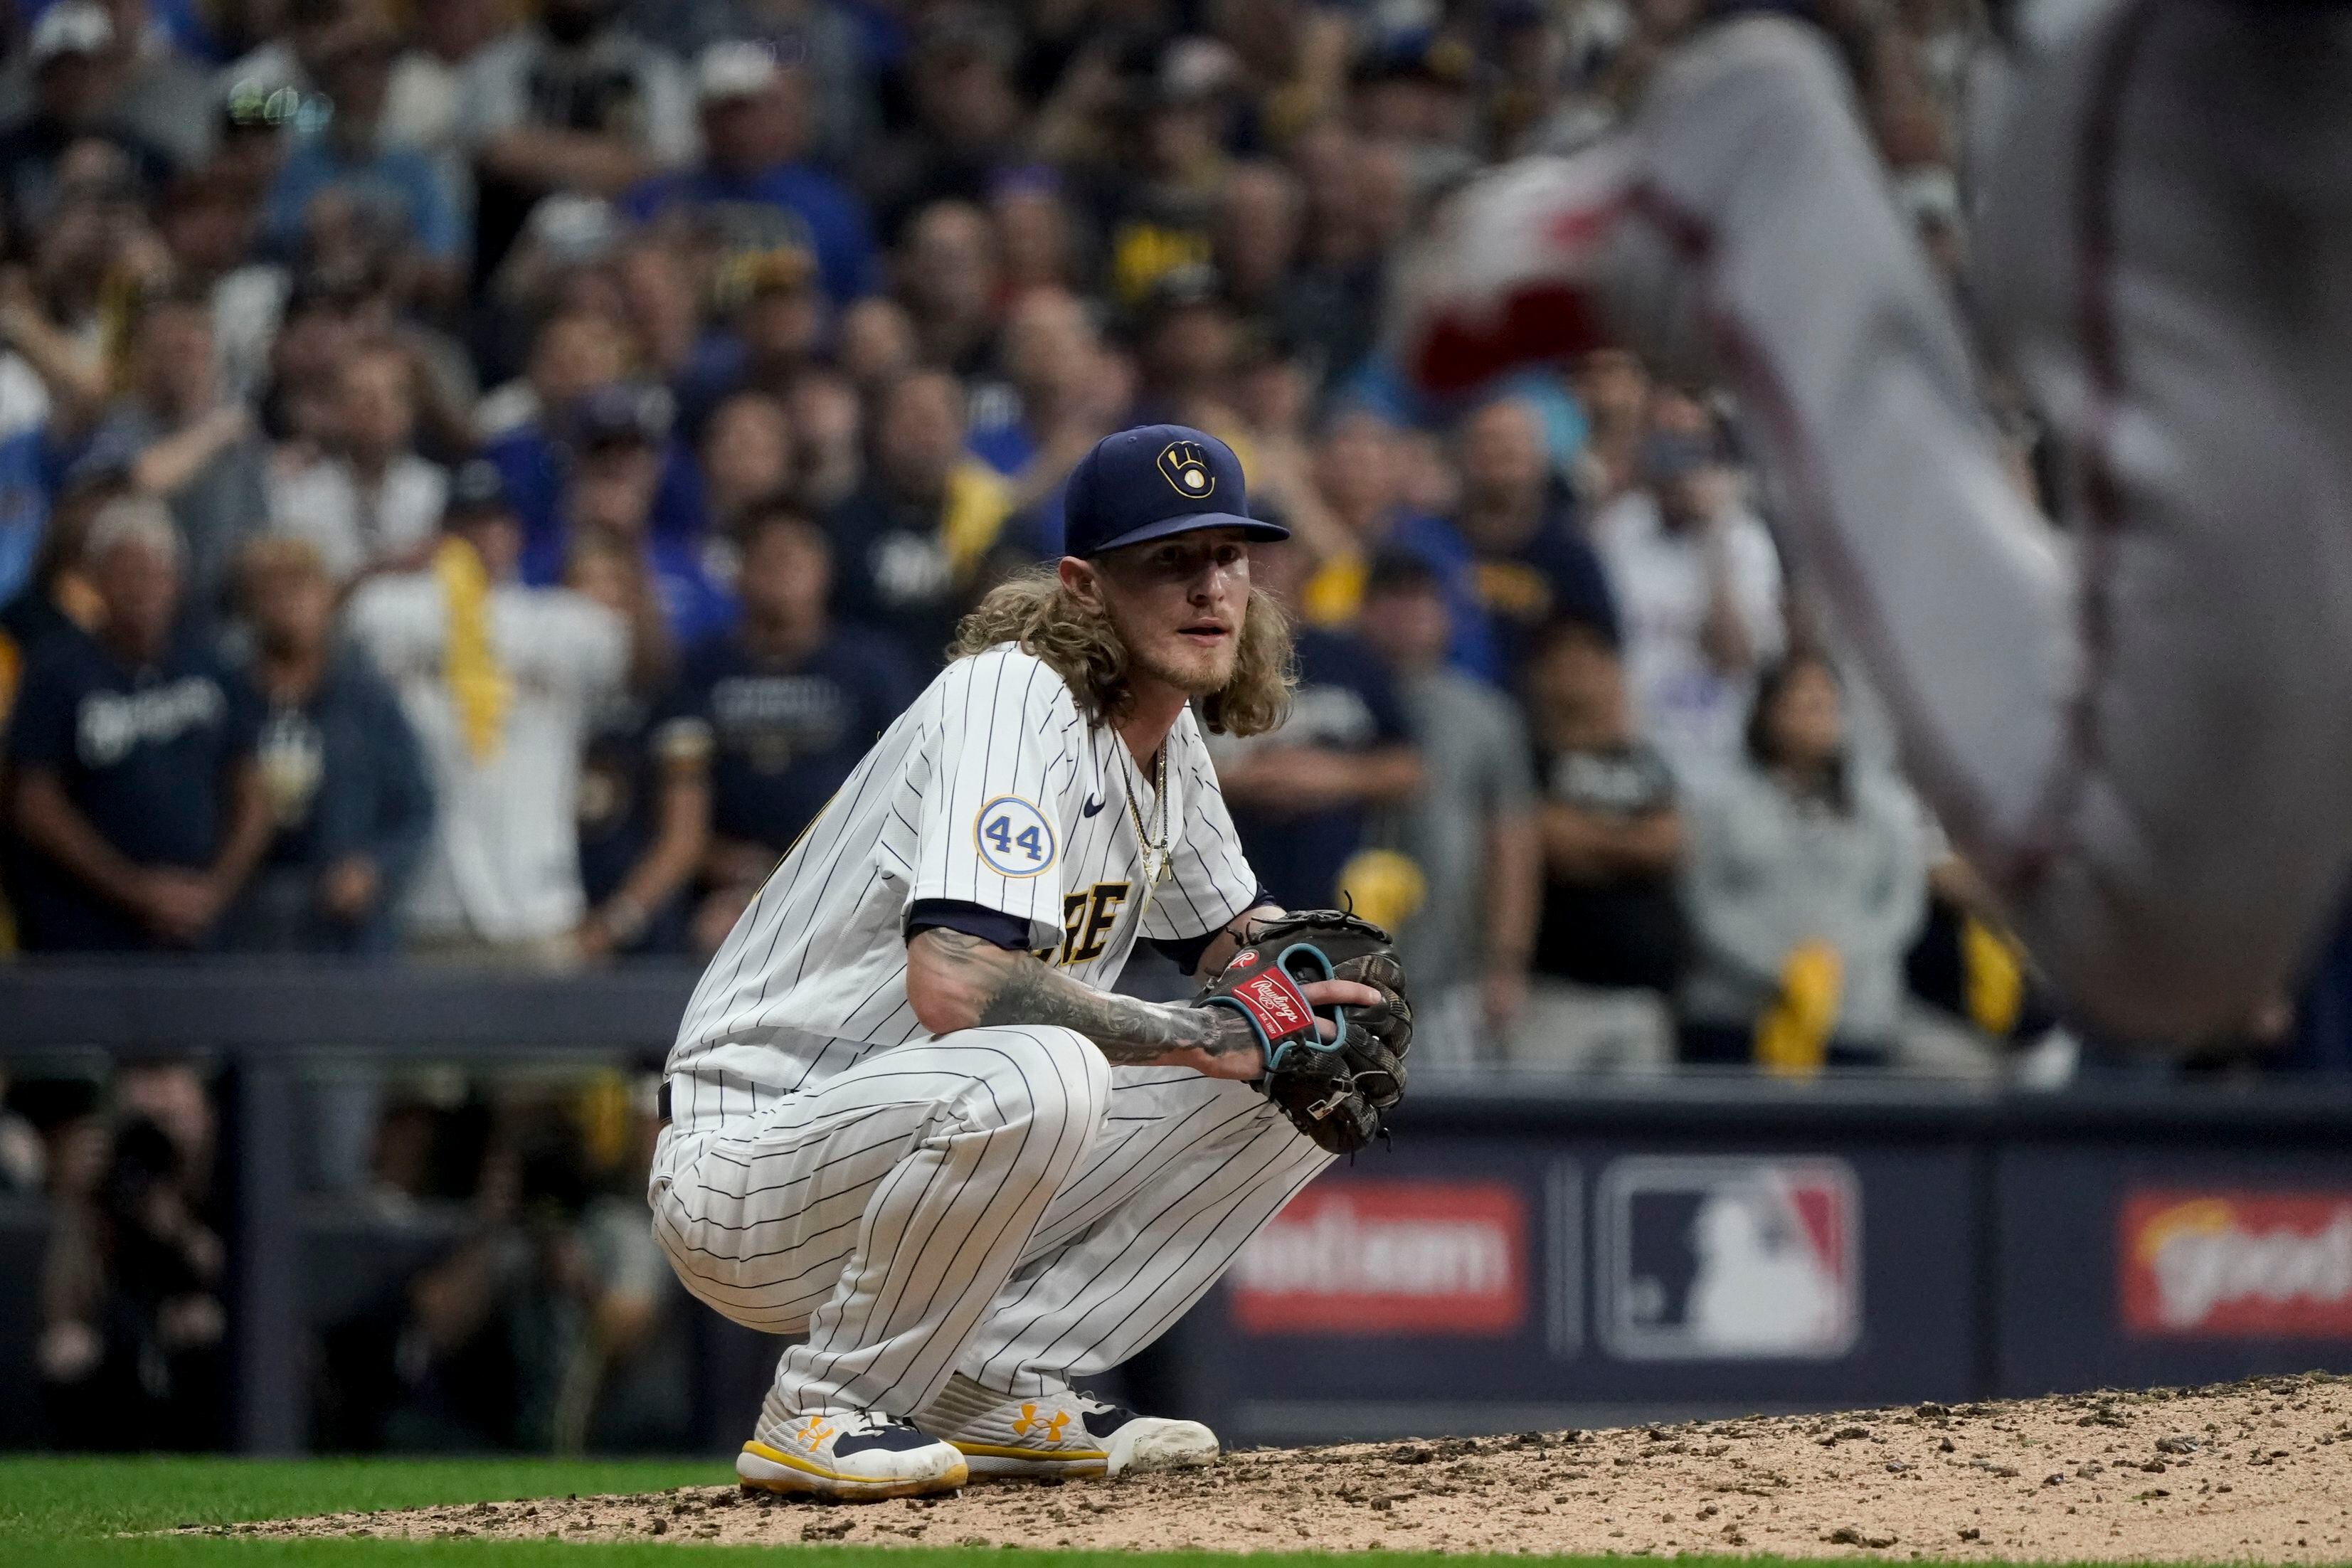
[[1206, 678]]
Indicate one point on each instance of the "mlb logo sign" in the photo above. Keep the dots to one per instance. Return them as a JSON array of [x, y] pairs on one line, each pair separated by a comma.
[[1730, 1260]]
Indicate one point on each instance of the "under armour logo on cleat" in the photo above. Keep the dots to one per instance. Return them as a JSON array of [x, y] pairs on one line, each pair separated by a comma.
[[814, 1430], [1092, 805], [1051, 1425]]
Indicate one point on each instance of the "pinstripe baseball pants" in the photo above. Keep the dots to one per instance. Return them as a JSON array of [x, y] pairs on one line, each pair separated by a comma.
[[997, 1202]]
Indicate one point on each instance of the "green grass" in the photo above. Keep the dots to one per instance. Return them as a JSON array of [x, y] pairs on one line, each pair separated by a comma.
[[74, 1511]]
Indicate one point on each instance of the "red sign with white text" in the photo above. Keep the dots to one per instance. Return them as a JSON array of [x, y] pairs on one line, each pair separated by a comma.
[[1389, 1258], [2236, 1265]]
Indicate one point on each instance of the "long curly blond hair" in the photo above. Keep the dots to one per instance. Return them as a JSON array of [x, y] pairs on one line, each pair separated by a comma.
[[1033, 609]]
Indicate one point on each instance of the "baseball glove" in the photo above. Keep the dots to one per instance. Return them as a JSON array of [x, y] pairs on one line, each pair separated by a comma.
[[1337, 1091]]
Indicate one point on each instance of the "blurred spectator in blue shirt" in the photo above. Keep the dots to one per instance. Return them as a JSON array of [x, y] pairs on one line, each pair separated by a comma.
[[349, 798], [1531, 562], [620, 462], [541, 465], [793, 699], [752, 187], [402, 194], [136, 786]]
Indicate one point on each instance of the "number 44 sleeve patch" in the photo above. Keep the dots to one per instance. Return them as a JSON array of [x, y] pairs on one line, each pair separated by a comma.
[[1013, 836]]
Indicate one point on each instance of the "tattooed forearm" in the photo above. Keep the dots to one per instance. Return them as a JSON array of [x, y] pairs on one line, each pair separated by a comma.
[[1128, 1029], [997, 987]]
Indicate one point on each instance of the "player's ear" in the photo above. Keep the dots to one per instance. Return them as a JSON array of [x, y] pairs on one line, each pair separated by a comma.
[[1082, 582]]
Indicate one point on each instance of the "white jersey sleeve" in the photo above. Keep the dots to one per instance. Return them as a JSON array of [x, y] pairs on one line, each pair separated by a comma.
[[996, 808], [1210, 881]]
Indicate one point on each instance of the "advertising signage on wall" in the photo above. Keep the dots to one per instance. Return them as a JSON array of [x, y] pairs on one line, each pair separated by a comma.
[[1379, 1257], [2235, 1263]]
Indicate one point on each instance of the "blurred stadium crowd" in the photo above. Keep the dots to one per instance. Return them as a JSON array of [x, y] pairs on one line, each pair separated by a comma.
[[475, 482], [475, 477]]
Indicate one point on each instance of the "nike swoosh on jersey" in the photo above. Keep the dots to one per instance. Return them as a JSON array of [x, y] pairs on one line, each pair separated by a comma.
[[1091, 806]]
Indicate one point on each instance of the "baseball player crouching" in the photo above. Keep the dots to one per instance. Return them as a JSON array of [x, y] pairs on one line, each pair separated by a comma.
[[908, 1117]]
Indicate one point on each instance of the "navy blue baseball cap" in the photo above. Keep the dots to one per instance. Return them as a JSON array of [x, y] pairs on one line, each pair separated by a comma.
[[1152, 481]]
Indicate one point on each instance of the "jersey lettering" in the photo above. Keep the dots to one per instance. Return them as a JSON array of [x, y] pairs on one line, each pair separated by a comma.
[[1088, 917]]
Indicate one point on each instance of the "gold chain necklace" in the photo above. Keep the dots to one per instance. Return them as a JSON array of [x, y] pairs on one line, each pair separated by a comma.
[[1158, 863]]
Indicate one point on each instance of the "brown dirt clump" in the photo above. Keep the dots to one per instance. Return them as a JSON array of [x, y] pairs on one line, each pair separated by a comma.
[[2259, 1470]]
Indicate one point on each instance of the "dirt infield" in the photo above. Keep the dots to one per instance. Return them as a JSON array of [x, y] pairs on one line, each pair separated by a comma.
[[2259, 1470]]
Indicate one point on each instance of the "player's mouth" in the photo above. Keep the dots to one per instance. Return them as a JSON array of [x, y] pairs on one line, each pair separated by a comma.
[[1206, 634]]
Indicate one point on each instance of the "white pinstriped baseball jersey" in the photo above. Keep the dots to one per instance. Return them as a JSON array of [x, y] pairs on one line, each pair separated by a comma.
[[993, 790]]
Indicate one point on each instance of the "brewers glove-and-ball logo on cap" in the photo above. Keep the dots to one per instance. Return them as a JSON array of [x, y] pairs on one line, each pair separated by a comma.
[[1187, 467], [1154, 481]]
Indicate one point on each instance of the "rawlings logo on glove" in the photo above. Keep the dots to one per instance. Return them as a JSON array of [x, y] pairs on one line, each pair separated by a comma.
[[1335, 1090]]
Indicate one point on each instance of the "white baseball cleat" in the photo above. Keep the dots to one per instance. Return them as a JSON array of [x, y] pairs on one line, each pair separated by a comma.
[[1064, 1433], [852, 1454]]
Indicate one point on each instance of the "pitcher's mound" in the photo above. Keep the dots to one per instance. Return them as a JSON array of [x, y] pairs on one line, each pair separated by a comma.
[[2259, 1470]]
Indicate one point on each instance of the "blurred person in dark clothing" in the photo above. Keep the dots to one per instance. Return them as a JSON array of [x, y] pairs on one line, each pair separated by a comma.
[[876, 344], [925, 536], [1301, 795], [573, 102], [1261, 226], [1531, 562], [770, 330], [545, 1328], [1041, 241], [968, 114], [1187, 348], [645, 775], [136, 784], [76, 87], [947, 274], [574, 349], [753, 185], [1609, 942], [1471, 829], [748, 458], [350, 804], [828, 439], [131, 1349], [791, 699]]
